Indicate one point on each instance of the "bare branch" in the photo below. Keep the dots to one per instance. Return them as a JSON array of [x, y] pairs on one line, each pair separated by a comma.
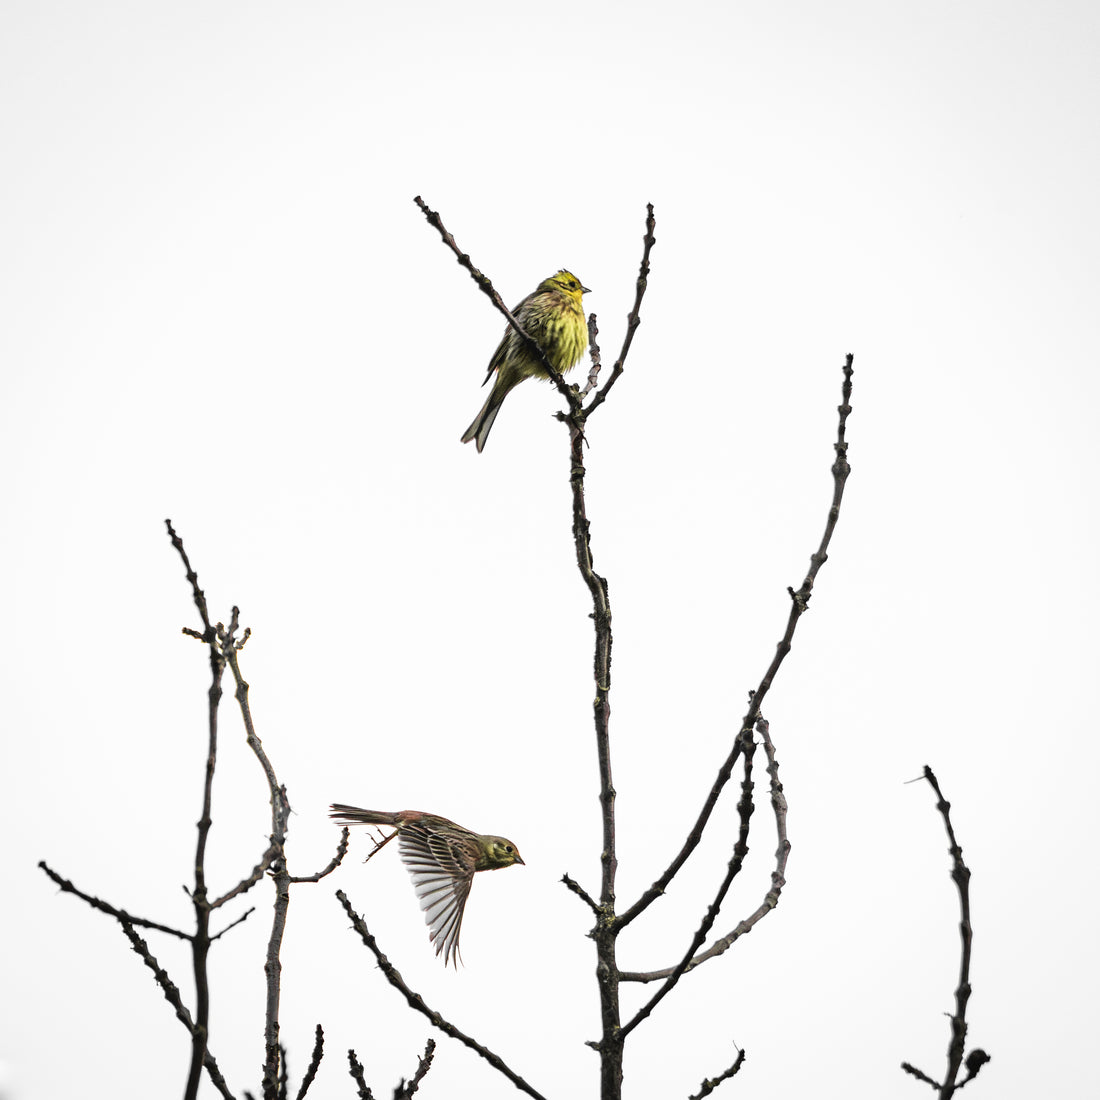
[[581, 893], [415, 1001], [314, 1062], [407, 1091], [216, 639], [912, 1070], [355, 1068], [486, 286], [594, 355], [233, 924], [799, 603], [172, 996], [104, 907], [341, 851], [960, 875], [740, 850], [192, 578], [633, 319], [247, 883], [771, 898], [711, 1083]]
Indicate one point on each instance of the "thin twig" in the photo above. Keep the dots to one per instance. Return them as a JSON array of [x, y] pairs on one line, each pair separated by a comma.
[[67, 887], [594, 355], [256, 874], [215, 639], [711, 1083], [274, 858], [771, 898], [799, 603], [633, 319], [416, 1002], [172, 996], [233, 924], [581, 893], [407, 1091], [341, 851], [745, 809], [281, 1092], [485, 284], [960, 875], [355, 1068], [314, 1062], [192, 579]]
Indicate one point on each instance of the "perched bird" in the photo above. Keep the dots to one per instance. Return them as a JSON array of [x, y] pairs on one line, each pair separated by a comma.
[[553, 317], [442, 858]]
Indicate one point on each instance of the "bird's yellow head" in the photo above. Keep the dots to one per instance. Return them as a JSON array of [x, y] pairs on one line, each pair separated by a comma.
[[566, 283], [496, 852]]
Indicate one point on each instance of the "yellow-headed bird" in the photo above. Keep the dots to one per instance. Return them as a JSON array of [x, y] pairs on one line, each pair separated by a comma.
[[442, 858], [553, 317]]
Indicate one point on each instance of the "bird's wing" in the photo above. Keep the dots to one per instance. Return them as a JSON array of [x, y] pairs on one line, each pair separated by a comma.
[[442, 868]]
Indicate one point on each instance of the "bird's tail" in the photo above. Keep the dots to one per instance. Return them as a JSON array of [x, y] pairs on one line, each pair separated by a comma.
[[353, 815], [479, 429]]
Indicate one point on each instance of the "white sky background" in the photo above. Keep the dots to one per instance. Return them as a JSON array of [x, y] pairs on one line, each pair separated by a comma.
[[223, 307]]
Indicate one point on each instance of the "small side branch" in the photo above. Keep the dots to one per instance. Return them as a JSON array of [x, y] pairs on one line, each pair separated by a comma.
[[407, 1091], [355, 1068], [960, 875], [633, 319], [172, 996], [314, 1062], [581, 893], [246, 884], [711, 1083], [594, 356], [67, 887], [740, 850], [771, 898], [341, 851], [485, 284], [416, 1002], [799, 603]]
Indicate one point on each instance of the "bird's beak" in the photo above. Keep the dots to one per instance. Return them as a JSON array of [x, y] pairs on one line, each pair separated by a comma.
[[585, 290], [519, 859]]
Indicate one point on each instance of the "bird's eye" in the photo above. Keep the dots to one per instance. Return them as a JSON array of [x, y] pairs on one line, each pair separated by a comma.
[[509, 848]]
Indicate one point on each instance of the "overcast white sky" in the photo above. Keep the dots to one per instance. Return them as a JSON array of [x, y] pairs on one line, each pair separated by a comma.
[[222, 306]]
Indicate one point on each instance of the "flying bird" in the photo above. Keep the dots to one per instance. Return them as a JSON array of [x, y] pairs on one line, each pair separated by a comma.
[[442, 858]]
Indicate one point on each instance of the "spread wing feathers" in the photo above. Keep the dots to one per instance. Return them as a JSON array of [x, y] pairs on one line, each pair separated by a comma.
[[442, 868]]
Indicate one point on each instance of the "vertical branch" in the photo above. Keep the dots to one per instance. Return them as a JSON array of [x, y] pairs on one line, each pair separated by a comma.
[[607, 970], [960, 875], [280, 813], [608, 977], [200, 941]]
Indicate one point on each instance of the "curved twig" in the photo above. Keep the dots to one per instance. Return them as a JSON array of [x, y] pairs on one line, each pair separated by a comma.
[[799, 603], [711, 1083], [633, 319], [771, 898], [740, 850]]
